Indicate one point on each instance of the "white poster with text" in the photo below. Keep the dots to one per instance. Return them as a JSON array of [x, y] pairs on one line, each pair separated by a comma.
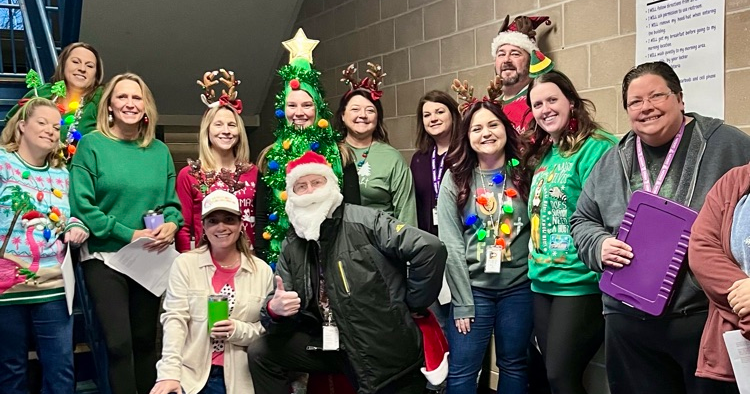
[[689, 36]]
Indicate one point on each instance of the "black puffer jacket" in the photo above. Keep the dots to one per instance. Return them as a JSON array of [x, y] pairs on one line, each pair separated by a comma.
[[363, 253]]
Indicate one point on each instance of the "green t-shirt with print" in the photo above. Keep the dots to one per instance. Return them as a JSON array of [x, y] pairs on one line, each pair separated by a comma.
[[554, 265]]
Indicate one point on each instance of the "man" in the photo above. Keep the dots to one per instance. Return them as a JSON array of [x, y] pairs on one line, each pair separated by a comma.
[[512, 51], [343, 302]]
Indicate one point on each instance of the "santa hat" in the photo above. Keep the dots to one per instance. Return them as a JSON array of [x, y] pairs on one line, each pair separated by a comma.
[[435, 349], [308, 164], [521, 33]]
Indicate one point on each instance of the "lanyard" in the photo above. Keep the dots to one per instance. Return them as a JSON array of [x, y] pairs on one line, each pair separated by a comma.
[[664, 168], [437, 174]]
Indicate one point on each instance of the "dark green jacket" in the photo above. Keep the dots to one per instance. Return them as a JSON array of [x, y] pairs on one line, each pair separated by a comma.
[[86, 124], [363, 254]]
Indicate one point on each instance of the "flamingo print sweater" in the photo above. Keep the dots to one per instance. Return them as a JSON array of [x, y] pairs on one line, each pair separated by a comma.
[[30, 269]]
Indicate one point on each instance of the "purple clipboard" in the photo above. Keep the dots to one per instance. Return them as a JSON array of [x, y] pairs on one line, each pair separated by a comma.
[[658, 230]]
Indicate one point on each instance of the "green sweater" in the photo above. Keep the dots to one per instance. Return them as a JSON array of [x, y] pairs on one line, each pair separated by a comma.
[[467, 255], [113, 183], [86, 124], [554, 265], [385, 182]]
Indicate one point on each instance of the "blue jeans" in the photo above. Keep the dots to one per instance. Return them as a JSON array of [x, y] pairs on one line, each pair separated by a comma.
[[509, 314], [215, 383], [52, 329]]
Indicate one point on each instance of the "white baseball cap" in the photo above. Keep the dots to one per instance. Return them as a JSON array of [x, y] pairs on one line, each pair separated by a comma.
[[220, 200]]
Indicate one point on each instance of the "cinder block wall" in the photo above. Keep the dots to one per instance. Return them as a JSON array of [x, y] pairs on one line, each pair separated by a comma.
[[425, 44]]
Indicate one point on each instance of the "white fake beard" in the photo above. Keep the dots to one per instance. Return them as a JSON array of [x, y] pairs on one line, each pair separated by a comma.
[[308, 211]]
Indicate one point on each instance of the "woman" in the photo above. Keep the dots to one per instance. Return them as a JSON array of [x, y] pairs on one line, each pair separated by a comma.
[[719, 260], [566, 145], [112, 199], [80, 68], [197, 358], [647, 354], [303, 108], [483, 223], [387, 186], [35, 223], [224, 157], [439, 116]]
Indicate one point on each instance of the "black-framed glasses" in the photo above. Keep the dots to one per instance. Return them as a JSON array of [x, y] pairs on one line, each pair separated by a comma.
[[656, 98]]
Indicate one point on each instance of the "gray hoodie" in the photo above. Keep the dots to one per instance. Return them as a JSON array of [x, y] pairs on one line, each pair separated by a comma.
[[714, 148]]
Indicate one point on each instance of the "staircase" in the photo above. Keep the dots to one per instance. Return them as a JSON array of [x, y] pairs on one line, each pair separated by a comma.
[[31, 35]]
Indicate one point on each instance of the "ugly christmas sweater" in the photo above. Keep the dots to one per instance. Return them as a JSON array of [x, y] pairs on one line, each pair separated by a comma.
[[30, 270]]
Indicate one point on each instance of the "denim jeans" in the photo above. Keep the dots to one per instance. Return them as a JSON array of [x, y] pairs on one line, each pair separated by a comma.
[[509, 314], [215, 383], [52, 328]]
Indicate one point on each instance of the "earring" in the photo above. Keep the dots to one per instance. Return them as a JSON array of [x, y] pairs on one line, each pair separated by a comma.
[[572, 122], [110, 119], [145, 119]]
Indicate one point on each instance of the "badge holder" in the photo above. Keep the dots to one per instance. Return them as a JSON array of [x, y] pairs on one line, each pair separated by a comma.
[[494, 261], [330, 336]]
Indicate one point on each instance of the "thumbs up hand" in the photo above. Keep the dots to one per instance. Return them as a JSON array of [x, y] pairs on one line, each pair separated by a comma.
[[284, 303]]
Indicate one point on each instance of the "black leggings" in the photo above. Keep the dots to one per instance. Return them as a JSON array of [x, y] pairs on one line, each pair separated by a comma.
[[128, 315], [570, 330]]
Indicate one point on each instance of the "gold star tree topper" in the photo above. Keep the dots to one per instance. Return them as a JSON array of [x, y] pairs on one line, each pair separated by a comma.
[[300, 46]]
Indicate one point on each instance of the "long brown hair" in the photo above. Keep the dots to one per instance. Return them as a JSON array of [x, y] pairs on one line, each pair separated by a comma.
[[570, 140], [462, 159], [425, 142], [59, 74]]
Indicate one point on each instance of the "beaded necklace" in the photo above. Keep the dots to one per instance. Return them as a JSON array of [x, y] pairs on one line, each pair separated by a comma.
[[364, 155]]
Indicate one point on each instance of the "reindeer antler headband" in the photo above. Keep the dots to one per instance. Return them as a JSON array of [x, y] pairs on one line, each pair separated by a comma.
[[371, 83], [228, 97], [466, 93]]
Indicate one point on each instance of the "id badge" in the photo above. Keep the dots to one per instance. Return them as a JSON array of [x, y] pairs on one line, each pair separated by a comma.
[[494, 259], [434, 216], [330, 337]]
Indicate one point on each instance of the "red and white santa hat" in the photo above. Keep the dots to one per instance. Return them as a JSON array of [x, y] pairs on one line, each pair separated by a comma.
[[308, 164], [523, 36], [435, 349]]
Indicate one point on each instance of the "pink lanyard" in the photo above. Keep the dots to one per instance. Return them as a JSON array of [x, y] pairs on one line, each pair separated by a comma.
[[437, 174], [664, 168]]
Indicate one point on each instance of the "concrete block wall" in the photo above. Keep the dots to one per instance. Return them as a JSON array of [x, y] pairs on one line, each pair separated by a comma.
[[424, 44]]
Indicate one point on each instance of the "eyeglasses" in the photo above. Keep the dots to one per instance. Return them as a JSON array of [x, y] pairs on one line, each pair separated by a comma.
[[655, 98], [303, 187]]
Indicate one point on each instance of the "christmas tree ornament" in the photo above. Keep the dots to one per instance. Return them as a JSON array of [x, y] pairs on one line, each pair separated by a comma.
[[286, 144], [323, 124], [300, 46], [294, 84], [273, 217], [280, 114]]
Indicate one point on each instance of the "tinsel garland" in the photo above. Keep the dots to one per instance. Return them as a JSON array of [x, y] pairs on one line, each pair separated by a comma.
[[290, 144]]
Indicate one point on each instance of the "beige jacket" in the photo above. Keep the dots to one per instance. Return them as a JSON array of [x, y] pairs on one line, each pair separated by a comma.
[[186, 354]]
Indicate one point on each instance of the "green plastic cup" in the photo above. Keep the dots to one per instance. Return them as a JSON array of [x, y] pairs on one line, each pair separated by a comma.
[[218, 309]]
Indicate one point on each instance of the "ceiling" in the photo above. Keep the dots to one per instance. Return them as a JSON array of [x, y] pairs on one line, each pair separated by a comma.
[[172, 43]]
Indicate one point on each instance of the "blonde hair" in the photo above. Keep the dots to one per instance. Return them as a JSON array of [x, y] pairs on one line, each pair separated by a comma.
[[10, 139], [146, 130], [240, 150]]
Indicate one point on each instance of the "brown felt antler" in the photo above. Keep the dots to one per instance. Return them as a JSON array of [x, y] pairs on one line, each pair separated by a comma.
[[349, 76], [505, 24], [495, 90], [230, 82], [377, 74], [207, 85], [525, 26]]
